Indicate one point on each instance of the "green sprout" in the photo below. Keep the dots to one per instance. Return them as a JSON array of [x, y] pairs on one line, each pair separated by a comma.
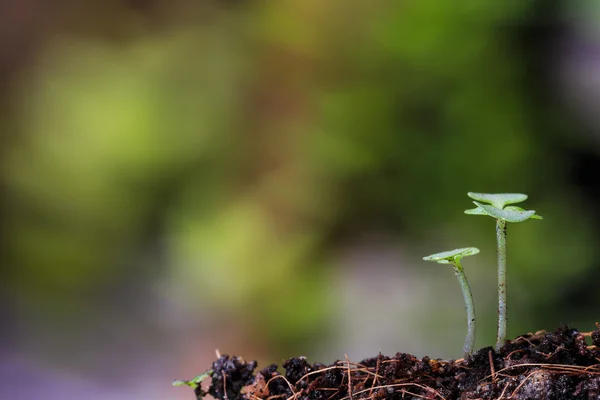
[[194, 382], [498, 207], [453, 257]]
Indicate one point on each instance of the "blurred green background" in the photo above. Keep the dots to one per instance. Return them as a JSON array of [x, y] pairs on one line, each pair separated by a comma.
[[263, 178]]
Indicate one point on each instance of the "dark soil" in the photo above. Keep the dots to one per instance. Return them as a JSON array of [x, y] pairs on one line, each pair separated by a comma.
[[558, 365]]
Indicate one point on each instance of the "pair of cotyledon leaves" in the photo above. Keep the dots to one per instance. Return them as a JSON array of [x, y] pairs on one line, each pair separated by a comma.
[[498, 207]]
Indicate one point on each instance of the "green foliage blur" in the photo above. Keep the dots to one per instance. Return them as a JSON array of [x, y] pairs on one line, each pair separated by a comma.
[[225, 154]]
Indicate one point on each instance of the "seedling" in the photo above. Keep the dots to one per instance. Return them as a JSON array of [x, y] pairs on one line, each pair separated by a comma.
[[194, 383], [453, 257], [499, 209]]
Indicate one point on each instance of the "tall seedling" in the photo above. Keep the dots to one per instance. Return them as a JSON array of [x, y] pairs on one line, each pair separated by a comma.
[[498, 207]]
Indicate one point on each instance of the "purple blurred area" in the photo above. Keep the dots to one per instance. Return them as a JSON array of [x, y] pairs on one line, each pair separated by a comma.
[[22, 379]]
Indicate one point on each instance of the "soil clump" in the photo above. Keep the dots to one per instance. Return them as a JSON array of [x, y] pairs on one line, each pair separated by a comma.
[[557, 365]]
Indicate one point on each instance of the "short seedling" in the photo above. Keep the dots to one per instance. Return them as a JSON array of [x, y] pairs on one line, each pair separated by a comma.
[[453, 257], [194, 383], [499, 209]]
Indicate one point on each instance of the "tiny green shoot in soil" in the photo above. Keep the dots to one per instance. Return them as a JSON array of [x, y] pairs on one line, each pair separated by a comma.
[[194, 382], [453, 257], [498, 207]]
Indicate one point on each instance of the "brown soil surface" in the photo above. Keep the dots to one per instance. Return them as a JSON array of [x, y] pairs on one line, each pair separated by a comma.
[[557, 365]]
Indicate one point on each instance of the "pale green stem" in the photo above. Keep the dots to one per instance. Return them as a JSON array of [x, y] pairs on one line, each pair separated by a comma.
[[466, 291], [501, 238]]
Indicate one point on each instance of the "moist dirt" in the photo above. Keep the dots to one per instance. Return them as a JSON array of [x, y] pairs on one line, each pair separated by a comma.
[[564, 364]]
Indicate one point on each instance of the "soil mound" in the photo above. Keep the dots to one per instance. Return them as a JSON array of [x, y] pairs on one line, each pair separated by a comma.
[[541, 365]]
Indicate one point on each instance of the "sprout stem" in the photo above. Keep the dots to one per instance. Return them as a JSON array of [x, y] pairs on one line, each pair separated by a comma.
[[466, 290], [501, 238]]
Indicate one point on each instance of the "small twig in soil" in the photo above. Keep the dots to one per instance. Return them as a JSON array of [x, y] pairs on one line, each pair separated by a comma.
[[564, 368], [424, 387], [522, 383], [278, 396], [349, 377], [376, 376], [503, 390], [514, 352], [492, 366], [294, 394], [224, 386]]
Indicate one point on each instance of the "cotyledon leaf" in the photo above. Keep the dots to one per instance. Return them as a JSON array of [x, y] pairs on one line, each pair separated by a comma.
[[507, 214], [515, 208], [476, 211], [445, 257], [498, 200]]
